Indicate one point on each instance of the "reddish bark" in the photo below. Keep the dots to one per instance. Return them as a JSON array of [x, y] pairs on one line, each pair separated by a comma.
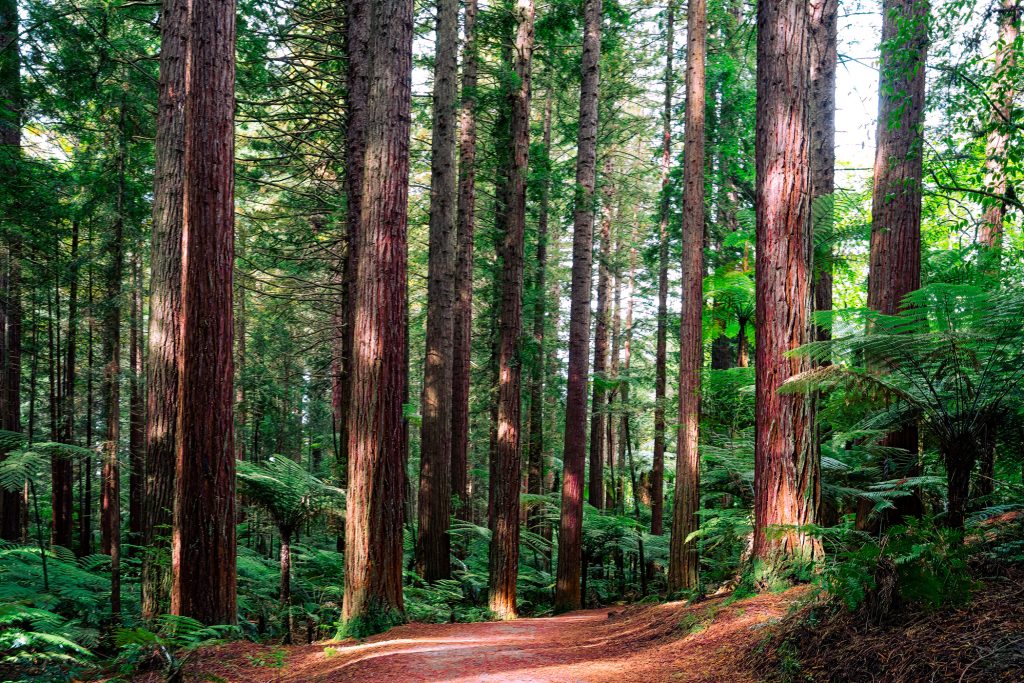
[[786, 481], [164, 309], [823, 18], [203, 533], [462, 312], [599, 401], [11, 505], [433, 542], [895, 261], [504, 552], [377, 436], [570, 535], [137, 409], [62, 469], [661, 344], [682, 564]]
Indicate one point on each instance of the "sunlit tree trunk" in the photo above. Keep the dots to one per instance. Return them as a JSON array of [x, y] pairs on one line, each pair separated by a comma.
[[462, 313], [164, 309], [504, 554], [203, 537], [786, 480], [136, 403], [434, 501], [682, 565], [661, 343], [570, 535], [377, 434], [1001, 97], [895, 261]]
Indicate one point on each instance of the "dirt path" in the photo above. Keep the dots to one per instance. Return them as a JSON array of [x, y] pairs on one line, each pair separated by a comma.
[[669, 642]]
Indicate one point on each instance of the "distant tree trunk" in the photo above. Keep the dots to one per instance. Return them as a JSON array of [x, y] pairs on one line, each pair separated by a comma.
[[163, 340], [285, 590], [203, 548], [110, 497], [241, 393], [504, 552], [137, 408], [462, 312], [786, 481], [11, 502], [612, 499], [535, 461], [377, 433], [599, 402], [624, 386], [823, 18], [433, 541], [990, 236], [1002, 97], [86, 506], [895, 260], [661, 344], [62, 469], [682, 565], [570, 535]]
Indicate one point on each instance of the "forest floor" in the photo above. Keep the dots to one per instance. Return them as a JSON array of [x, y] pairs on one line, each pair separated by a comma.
[[676, 641]]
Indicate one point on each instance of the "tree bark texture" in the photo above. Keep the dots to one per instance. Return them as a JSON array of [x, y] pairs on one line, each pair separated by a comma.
[[203, 534], [462, 312], [599, 400], [682, 565], [504, 551], [434, 501], [164, 309], [786, 477], [62, 469], [377, 436], [570, 535], [823, 18]]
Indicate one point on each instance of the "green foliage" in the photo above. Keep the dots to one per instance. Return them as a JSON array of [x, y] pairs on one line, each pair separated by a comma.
[[918, 562], [169, 643]]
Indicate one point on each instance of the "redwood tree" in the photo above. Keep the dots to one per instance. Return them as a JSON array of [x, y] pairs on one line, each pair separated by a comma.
[[164, 308], [661, 344], [504, 551], [203, 544], [895, 261], [570, 532], [786, 482], [823, 18], [599, 400], [377, 436], [682, 564], [433, 542], [462, 312]]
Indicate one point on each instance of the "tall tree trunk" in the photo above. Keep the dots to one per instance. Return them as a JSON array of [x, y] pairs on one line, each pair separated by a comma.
[[377, 433], [462, 312], [1002, 96], [535, 461], [136, 409], [433, 542], [11, 502], [86, 506], [599, 401], [285, 589], [163, 340], [612, 498], [895, 260], [62, 469], [786, 482], [661, 344], [203, 547], [504, 551], [357, 46], [682, 564], [110, 496], [570, 535], [823, 18]]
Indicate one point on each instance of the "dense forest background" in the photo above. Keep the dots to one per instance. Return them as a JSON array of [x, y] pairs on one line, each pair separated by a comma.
[[319, 317]]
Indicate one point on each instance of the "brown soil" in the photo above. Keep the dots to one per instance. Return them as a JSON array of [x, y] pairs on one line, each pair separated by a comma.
[[668, 642]]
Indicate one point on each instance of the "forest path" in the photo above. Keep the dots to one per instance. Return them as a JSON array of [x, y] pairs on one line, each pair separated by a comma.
[[668, 642]]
